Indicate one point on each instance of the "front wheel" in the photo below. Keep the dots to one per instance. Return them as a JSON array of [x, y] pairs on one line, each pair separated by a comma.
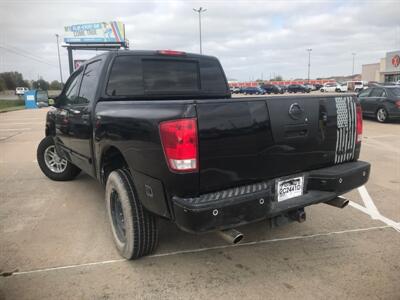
[[382, 115], [134, 229], [52, 165]]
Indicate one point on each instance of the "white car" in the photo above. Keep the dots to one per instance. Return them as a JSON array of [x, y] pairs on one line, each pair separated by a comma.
[[311, 87], [342, 87], [356, 86], [20, 91], [329, 87]]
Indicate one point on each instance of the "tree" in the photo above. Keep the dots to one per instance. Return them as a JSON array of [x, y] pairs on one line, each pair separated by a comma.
[[2, 84], [40, 84], [55, 85], [277, 78], [12, 80]]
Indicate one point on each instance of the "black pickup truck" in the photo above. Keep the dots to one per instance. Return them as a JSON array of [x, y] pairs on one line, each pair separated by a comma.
[[160, 130]]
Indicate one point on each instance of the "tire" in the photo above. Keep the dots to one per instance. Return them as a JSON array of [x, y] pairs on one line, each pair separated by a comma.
[[54, 167], [382, 115], [337, 90], [133, 228]]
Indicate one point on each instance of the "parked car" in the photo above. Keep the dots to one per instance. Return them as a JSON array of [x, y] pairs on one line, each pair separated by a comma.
[[318, 86], [298, 88], [236, 90], [20, 91], [341, 87], [253, 91], [356, 86], [329, 87], [310, 86], [284, 87], [160, 131], [382, 103], [373, 84], [272, 89]]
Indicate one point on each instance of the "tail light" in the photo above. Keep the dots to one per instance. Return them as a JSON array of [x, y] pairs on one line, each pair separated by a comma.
[[359, 123], [179, 140], [398, 103], [171, 52]]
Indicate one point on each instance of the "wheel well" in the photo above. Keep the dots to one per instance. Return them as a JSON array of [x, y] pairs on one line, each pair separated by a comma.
[[111, 160]]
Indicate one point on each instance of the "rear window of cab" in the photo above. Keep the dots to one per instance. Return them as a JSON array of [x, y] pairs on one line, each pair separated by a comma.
[[133, 75]]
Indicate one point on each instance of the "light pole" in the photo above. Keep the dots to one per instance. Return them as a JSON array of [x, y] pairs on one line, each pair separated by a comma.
[[199, 11], [354, 55], [59, 60], [309, 64]]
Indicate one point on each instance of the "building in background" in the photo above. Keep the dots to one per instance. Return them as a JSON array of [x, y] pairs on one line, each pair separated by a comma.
[[386, 70]]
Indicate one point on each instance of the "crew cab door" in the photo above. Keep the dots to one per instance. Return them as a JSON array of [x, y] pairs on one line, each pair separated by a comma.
[[74, 124]]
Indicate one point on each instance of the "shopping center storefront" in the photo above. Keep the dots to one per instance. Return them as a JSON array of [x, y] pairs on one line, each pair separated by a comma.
[[387, 70]]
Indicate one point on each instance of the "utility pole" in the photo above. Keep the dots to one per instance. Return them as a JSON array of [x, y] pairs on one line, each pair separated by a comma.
[[354, 55], [199, 11], [59, 60], [309, 64]]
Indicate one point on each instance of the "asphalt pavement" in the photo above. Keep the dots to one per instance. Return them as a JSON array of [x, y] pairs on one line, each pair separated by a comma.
[[55, 240]]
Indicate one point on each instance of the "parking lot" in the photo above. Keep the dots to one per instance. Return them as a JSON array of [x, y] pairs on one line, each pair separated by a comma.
[[55, 240]]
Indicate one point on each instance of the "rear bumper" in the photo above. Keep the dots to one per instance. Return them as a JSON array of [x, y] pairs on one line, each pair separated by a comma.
[[245, 204]]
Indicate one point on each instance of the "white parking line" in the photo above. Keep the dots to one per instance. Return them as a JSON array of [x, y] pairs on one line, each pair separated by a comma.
[[15, 129], [21, 123], [299, 237], [370, 205], [371, 210]]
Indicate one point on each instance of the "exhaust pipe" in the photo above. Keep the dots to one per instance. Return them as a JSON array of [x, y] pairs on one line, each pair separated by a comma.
[[338, 202], [298, 215], [231, 235]]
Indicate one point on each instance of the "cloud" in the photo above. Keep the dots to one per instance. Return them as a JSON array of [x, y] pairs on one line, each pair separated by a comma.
[[251, 38]]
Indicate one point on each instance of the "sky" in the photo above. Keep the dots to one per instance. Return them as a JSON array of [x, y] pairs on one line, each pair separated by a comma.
[[253, 39]]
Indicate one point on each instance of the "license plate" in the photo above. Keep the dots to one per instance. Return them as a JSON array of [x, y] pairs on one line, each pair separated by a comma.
[[289, 188]]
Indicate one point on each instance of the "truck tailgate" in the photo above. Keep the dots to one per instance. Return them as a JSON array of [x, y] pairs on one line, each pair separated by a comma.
[[253, 139]]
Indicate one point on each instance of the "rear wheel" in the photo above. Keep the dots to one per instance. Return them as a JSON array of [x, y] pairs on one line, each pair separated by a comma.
[[134, 229], [382, 115], [52, 165]]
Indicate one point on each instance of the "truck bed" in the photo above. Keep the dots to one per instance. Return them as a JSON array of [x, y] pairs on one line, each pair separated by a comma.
[[241, 140]]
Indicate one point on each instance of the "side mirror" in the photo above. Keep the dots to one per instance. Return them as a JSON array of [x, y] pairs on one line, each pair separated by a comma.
[[54, 101]]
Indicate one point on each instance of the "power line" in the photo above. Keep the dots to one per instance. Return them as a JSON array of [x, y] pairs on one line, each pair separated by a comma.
[[17, 52], [21, 53]]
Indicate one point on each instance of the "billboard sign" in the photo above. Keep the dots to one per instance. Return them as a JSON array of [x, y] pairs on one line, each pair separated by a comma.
[[104, 32]]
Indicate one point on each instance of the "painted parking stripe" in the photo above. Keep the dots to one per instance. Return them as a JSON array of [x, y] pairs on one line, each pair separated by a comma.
[[387, 221], [15, 129], [299, 237], [371, 209]]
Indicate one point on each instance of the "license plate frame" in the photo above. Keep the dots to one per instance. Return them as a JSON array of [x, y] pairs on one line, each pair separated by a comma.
[[290, 181]]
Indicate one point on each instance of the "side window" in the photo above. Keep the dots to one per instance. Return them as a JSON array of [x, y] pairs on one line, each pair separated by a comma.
[[212, 76], [88, 88], [376, 93], [72, 89], [126, 77], [365, 93]]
